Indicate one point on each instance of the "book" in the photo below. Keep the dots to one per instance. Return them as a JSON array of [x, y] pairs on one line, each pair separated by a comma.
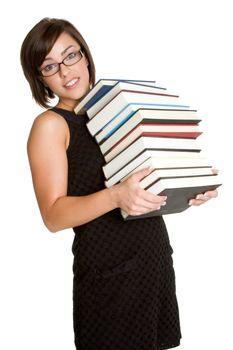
[[120, 86], [158, 160], [129, 112], [137, 125], [112, 133], [148, 142], [158, 173], [178, 191], [159, 130], [122, 100], [101, 87]]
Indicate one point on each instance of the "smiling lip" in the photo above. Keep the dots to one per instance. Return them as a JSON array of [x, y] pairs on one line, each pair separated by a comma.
[[71, 83]]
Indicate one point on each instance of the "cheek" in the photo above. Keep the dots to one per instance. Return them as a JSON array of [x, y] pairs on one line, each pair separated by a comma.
[[48, 83], [86, 75], [54, 86]]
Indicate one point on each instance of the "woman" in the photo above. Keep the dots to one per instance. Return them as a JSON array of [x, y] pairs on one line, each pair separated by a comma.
[[124, 284]]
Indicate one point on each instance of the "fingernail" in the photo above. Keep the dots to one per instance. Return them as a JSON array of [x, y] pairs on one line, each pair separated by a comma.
[[191, 202], [164, 204]]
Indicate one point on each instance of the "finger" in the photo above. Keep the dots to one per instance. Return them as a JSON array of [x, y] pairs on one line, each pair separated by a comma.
[[211, 194], [153, 198], [144, 205], [200, 199], [139, 175], [215, 171], [138, 213], [143, 208], [196, 202]]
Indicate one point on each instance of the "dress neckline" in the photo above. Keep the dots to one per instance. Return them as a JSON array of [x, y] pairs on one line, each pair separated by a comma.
[[69, 114]]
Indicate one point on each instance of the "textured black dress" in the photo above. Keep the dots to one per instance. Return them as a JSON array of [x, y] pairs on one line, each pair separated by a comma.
[[124, 283]]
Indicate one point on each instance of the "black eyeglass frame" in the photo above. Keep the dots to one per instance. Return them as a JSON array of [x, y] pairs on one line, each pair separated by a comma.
[[63, 62]]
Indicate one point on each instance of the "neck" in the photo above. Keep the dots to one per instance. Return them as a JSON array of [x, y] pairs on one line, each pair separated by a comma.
[[66, 106]]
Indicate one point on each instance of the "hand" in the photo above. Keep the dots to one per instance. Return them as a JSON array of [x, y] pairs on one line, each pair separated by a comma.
[[133, 199], [203, 198]]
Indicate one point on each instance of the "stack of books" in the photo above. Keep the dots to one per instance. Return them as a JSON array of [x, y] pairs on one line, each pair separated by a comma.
[[137, 125]]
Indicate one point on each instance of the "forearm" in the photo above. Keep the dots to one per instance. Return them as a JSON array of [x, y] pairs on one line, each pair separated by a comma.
[[67, 211]]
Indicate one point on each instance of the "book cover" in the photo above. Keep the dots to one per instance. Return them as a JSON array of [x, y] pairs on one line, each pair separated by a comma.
[[147, 142], [136, 125], [147, 116], [178, 191], [158, 174], [122, 100], [134, 113], [120, 86], [101, 87], [158, 160], [154, 130]]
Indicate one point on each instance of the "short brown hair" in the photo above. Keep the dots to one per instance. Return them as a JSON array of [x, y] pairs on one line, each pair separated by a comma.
[[37, 44]]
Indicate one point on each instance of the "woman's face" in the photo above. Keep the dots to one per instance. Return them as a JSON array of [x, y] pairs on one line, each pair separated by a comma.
[[70, 83]]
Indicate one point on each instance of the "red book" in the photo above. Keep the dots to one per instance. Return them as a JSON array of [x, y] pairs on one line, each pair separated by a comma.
[[190, 131]]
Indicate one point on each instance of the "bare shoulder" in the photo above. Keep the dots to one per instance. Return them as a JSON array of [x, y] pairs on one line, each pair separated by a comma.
[[49, 125], [49, 119]]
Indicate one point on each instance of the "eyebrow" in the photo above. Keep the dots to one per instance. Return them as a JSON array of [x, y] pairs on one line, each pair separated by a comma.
[[62, 53]]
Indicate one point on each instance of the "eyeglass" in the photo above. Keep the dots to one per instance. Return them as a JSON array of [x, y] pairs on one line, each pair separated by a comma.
[[53, 68]]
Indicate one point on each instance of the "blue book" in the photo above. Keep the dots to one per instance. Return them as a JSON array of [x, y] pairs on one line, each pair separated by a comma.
[[117, 88], [121, 101], [124, 115], [100, 89]]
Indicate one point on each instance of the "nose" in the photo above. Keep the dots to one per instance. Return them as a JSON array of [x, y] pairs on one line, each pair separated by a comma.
[[63, 69]]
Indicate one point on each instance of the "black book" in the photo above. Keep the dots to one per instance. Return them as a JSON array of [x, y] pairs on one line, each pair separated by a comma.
[[178, 191]]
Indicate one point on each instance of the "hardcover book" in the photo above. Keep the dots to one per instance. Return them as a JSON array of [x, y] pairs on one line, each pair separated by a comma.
[[153, 130], [147, 142], [159, 160], [102, 87], [120, 86], [178, 191], [115, 132], [138, 125], [123, 99]]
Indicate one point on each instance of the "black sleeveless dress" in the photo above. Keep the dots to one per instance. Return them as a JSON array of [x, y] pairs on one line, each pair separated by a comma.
[[124, 294]]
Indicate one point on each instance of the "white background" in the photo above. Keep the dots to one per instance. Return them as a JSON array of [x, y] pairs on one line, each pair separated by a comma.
[[185, 46]]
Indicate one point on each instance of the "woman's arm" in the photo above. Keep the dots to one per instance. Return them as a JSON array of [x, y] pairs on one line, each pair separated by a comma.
[[47, 144]]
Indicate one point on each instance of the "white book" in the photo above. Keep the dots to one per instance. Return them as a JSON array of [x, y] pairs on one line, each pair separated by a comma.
[[100, 88], [149, 115], [146, 142], [157, 173], [160, 160], [122, 100], [127, 113], [157, 131], [182, 182], [179, 191], [122, 85]]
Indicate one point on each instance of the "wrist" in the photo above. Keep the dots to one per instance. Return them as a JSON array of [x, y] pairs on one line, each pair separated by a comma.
[[114, 194]]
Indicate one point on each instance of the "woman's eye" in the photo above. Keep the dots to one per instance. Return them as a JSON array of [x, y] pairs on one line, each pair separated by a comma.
[[71, 55], [50, 67]]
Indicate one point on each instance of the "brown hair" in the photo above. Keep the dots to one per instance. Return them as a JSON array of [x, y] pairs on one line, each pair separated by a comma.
[[37, 44]]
